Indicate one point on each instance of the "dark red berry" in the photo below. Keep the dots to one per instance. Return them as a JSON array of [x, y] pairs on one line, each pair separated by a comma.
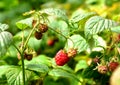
[[43, 28], [96, 60], [72, 52], [29, 56], [113, 65], [38, 35], [61, 58], [102, 69], [50, 42]]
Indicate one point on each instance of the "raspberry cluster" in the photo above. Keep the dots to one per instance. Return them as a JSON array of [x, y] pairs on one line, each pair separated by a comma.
[[41, 28], [61, 57]]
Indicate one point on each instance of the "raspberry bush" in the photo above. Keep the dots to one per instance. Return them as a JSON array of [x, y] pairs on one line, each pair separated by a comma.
[[62, 42]]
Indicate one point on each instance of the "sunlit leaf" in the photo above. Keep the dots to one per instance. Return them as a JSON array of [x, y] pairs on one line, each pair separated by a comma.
[[42, 68], [78, 42], [3, 27], [96, 43], [97, 24], [15, 77], [55, 12], [79, 17], [5, 41], [82, 64], [25, 23], [62, 73], [3, 70], [60, 26], [41, 59], [116, 29]]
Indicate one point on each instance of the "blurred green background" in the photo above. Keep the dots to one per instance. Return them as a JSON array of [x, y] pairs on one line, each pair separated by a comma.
[[12, 10]]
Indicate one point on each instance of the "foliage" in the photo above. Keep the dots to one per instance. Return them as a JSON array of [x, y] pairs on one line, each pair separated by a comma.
[[72, 24]]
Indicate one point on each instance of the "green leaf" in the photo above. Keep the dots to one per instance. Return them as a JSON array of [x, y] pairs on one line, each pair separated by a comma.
[[60, 26], [18, 36], [34, 43], [96, 43], [80, 17], [59, 13], [25, 23], [62, 73], [5, 41], [97, 24], [82, 64], [41, 59], [66, 68], [3, 27], [89, 72], [54, 81], [14, 76], [3, 70], [78, 42], [116, 29], [42, 68]]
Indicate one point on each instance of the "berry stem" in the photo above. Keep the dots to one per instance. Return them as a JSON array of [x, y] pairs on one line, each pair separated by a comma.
[[61, 34], [29, 37]]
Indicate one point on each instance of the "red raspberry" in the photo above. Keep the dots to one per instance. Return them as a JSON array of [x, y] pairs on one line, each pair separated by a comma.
[[61, 58], [72, 52], [102, 69], [113, 65]]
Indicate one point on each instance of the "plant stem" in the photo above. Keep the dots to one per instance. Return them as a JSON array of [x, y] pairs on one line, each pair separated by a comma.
[[22, 58], [22, 53], [23, 50], [29, 37], [23, 67]]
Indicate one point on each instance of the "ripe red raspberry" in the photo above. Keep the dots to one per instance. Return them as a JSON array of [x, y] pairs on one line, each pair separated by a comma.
[[43, 28], [61, 58], [113, 65], [102, 69], [72, 52], [38, 35]]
